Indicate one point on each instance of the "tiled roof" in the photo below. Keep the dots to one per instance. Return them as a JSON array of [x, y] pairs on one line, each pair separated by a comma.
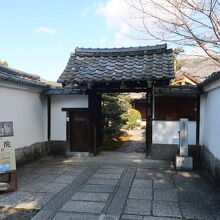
[[20, 77], [198, 68], [213, 77], [118, 64], [67, 90]]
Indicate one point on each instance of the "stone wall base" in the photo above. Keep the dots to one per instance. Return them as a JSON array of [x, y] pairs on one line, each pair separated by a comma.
[[39, 150], [30, 153], [169, 152], [210, 164]]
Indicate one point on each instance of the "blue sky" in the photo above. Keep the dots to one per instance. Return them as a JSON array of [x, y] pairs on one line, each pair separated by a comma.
[[38, 36]]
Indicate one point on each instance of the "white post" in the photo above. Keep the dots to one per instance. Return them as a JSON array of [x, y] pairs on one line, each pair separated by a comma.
[[183, 161], [183, 137]]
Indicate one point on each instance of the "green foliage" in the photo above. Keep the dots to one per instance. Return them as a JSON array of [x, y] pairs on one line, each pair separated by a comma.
[[111, 142], [4, 63], [133, 117], [124, 101], [115, 108]]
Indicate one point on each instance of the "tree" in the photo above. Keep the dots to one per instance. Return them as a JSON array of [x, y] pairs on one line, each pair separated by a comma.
[[115, 107], [183, 22], [4, 63]]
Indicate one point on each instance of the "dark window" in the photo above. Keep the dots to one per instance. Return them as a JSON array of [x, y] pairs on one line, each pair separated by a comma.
[[174, 108]]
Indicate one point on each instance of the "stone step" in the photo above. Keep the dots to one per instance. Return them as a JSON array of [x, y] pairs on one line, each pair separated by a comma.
[[3, 186]]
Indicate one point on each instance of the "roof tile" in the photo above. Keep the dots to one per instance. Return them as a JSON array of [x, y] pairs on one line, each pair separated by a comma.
[[21, 77], [116, 64]]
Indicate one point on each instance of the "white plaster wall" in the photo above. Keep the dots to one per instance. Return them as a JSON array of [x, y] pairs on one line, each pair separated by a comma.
[[58, 117], [28, 111], [166, 132], [210, 119]]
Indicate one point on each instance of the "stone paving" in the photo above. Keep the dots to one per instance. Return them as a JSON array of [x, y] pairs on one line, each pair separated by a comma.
[[61, 189]]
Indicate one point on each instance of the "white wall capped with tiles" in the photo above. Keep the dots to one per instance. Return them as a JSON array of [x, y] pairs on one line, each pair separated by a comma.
[[27, 109], [166, 132], [210, 118], [58, 117]]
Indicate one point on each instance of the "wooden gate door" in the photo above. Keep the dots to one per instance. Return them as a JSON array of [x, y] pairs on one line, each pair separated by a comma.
[[79, 129]]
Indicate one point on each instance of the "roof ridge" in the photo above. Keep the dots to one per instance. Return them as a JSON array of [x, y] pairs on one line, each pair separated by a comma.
[[123, 51]]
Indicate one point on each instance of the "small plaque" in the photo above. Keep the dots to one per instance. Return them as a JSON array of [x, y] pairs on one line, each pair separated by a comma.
[[6, 129]]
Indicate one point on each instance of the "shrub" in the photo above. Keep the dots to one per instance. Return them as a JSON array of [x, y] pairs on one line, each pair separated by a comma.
[[133, 117]]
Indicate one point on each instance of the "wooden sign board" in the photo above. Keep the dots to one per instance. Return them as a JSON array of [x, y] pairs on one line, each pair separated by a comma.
[[7, 150], [7, 156]]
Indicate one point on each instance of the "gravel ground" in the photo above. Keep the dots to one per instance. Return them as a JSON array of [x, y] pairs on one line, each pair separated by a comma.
[[16, 214], [136, 143]]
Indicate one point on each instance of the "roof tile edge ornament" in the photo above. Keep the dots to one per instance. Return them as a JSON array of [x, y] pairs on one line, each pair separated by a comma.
[[212, 78]]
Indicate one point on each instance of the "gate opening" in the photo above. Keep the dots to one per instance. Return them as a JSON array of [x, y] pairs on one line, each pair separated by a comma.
[[124, 122]]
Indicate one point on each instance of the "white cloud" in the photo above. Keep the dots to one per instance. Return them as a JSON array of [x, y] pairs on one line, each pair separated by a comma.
[[128, 21], [114, 12], [91, 9], [124, 19], [45, 30]]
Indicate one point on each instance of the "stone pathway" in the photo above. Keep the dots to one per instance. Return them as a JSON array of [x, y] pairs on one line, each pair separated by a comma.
[[136, 143], [62, 189], [15, 214]]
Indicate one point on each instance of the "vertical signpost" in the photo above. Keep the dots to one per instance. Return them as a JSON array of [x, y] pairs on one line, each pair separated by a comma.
[[7, 158], [149, 101], [184, 137], [183, 161]]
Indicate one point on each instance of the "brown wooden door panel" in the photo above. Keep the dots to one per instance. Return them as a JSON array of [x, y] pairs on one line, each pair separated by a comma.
[[79, 131]]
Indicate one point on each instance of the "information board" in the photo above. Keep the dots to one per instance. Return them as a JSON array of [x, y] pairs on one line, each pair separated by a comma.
[[7, 150]]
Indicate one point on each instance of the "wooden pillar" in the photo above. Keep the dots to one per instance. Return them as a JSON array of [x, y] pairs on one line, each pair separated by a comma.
[[98, 117], [95, 120], [197, 119], [48, 118], [149, 107], [92, 129]]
